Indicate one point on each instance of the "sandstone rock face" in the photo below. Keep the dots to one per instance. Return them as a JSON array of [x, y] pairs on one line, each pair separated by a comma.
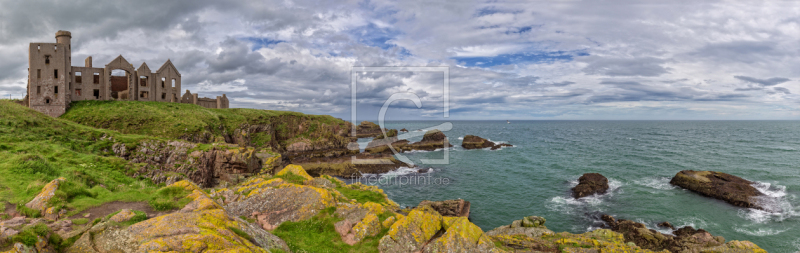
[[590, 184], [40, 201], [686, 239], [453, 208], [206, 228], [475, 142], [167, 159], [718, 185]]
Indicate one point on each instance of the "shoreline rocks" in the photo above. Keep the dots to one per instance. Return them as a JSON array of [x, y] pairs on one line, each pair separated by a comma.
[[451, 208], [590, 184], [718, 185], [475, 142], [685, 239]]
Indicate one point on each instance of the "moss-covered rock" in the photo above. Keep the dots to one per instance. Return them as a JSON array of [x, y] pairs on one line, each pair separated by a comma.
[[40, 202]]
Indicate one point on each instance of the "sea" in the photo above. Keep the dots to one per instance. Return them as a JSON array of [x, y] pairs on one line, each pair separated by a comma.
[[535, 175]]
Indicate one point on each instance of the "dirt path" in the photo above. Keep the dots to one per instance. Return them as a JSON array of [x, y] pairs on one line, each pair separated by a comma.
[[112, 207]]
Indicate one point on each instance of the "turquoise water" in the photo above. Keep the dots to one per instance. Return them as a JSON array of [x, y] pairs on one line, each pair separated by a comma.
[[638, 157]]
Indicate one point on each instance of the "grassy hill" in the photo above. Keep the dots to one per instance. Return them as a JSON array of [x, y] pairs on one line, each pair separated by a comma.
[[193, 122], [35, 149]]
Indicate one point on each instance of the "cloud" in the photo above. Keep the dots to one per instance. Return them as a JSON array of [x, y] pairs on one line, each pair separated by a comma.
[[763, 82], [506, 59]]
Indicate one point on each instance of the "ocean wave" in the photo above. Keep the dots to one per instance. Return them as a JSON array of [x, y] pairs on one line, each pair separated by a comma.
[[398, 172], [776, 202], [658, 183], [760, 231], [461, 138], [568, 204]]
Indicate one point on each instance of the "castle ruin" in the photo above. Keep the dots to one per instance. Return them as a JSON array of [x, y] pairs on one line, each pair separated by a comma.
[[53, 83]]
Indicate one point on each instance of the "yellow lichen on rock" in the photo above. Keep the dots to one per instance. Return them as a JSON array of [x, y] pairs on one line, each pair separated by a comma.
[[295, 169], [460, 236], [412, 232], [388, 222], [40, 201], [369, 226], [185, 184]]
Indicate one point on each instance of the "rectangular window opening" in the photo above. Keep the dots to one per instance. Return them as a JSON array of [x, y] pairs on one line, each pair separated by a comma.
[[173, 82], [38, 89], [56, 90], [163, 79], [96, 78], [38, 73], [163, 95], [143, 81], [96, 94], [55, 73], [47, 59], [78, 77], [78, 92]]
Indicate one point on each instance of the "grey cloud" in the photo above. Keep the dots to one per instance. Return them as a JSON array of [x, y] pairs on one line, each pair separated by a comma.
[[782, 90], [763, 82], [645, 66]]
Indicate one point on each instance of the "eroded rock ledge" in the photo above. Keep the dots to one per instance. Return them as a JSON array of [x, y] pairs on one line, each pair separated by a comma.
[[475, 142]]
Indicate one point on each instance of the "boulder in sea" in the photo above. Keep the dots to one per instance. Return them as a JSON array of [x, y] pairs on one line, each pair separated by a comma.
[[453, 207], [476, 142], [589, 184], [718, 185], [666, 224], [432, 140], [404, 130]]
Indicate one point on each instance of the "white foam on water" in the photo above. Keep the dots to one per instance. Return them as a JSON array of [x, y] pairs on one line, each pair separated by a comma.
[[398, 172], [568, 204], [760, 231], [461, 138], [658, 183], [692, 221], [776, 202]]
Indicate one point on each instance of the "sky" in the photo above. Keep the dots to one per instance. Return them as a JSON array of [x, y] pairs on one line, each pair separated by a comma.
[[506, 60]]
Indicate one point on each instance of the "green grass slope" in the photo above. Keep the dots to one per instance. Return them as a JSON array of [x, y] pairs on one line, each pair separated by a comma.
[[35, 149], [183, 121]]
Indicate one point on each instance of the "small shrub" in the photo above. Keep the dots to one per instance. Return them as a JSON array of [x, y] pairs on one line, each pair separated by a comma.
[[28, 235]]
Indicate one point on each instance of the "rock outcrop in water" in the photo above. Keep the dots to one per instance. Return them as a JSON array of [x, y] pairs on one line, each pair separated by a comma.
[[590, 184], [475, 142], [685, 239], [718, 185], [432, 140]]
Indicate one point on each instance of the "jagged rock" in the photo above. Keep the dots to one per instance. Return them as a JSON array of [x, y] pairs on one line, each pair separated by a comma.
[[718, 185], [453, 207], [475, 142], [275, 201], [197, 230], [531, 226], [359, 221], [404, 130], [461, 236], [40, 201], [685, 239], [589, 184], [13, 222], [666, 224], [321, 183], [368, 129], [415, 233]]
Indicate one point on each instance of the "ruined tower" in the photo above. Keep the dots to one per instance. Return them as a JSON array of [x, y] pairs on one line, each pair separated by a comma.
[[49, 75]]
